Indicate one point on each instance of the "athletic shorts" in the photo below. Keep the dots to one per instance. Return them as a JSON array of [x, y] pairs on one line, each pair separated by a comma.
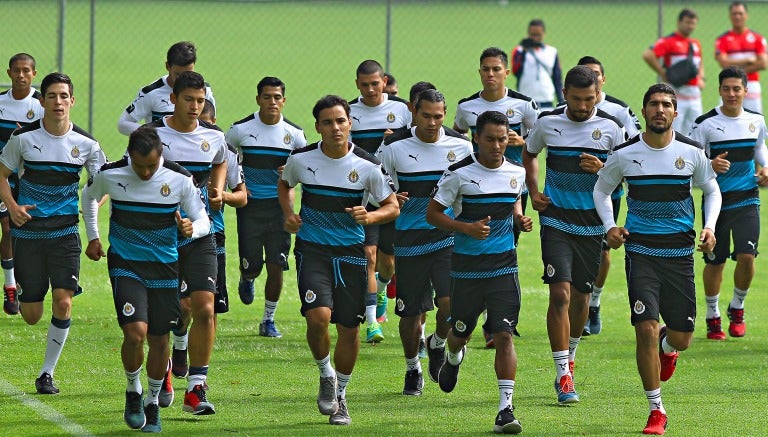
[[570, 258], [198, 265], [418, 276], [46, 262], [500, 295], [387, 238], [157, 307], [221, 304], [741, 223], [336, 283], [616, 208], [661, 286], [261, 240]]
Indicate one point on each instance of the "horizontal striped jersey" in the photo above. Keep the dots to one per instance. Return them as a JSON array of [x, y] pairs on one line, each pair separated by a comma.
[[370, 122], [18, 113]]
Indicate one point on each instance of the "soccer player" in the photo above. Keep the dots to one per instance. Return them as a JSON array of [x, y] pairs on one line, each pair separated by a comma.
[[742, 47], [337, 179], [146, 192], [264, 139], [374, 115], [201, 150], [660, 166], [536, 66], [484, 191], [19, 106], [622, 112], [391, 89], [578, 138], [50, 154], [672, 49], [416, 159], [153, 101], [735, 138]]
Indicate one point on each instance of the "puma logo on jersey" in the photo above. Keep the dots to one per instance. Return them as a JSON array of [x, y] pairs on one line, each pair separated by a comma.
[[475, 114], [255, 137], [39, 149], [313, 171], [2, 111], [720, 129], [357, 119], [475, 182], [415, 158], [165, 101], [640, 163], [124, 187], [166, 145], [559, 131]]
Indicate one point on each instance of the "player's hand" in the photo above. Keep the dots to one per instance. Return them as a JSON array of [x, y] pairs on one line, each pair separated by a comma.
[[387, 133], [94, 250], [762, 177], [401, 197], [616, 237], [707, 239], [479, 229], [590, 163], [280, 171], [539, 201], [720, 164], [184, 225], [215, 198], [524, 223], [292, 223], [20, 215], [359, 214], [514, 139]]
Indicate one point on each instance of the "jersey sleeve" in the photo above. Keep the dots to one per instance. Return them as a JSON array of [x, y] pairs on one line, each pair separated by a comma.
[[535, 141], [221, 150], [610, 175], [234, 170], [660, 50], [460, 121], [190, 201], [10, 156], [529, 117], [702, 169], [233, 137], [299, 139], [140, 108], [379, 187], [290, 171], [447, 189], [698, 133], [387, 158], [96, 159]]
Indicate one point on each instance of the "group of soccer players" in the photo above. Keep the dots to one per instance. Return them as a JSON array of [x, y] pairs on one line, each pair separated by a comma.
[[388, 189]]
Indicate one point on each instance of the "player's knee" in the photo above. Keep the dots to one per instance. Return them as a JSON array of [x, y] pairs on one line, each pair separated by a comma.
[[318, 319], [745, 259], [134, 334]]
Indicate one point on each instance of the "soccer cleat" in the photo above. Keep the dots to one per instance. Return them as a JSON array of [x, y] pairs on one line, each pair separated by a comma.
[[392, 287], [179, 365], [196, 402], [488, 339], [593, 321], [436, 358], [566, 392], [668, 361], [327, 402], [737, 327], [45, 386], [245, 290], [165, 398], [341, 416], [422, 348], [449, 374], [10, 300], [381, 306], [657, 423], [373, 333], [134, 410], [506, 422], [715, 329], [414, 383], [152, 412], [268, 329]]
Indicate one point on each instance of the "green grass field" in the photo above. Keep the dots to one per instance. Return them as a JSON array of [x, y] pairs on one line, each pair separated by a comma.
[[268, 387]]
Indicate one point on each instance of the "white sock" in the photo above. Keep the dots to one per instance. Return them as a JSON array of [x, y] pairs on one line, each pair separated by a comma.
[[269, 310], [737, 302], [134, 380], [666, 347], [436, 342], [370, 314], [10, 279], [506, 390], [594, 298], [57, 336], [413, 363], [380, 284], [326, 370], [424, 330], [713, 310], [455, 358], [573, 343], [561, 363], [154, 391], [341, 384], [180, 341], [193, 380], [654, 400]]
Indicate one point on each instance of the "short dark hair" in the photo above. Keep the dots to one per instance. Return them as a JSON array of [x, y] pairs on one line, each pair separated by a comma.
[[390, 79], [329, 101], [22, 57], [495, 52], [662, 88], [580, 76], [182, 54], [53, 78], [369, 67], [433, 96], [417, 88], [188, 79], [734, 4], [537, 22], [490, 117], [686, 13], [586, 60], [733, 71], [144, 140], [209, 110], [270, 81]]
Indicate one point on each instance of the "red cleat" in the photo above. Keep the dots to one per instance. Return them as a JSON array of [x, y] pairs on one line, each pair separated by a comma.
[[737, 327], [714, 329], [657, 423], [392, 287], [668, 361]]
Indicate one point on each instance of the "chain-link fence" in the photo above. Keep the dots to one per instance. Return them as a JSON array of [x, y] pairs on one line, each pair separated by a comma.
[[113, 48]]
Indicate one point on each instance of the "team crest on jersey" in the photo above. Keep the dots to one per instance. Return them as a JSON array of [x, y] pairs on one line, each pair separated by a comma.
[[287, 139], [353, 176], [310, 296], [638, 307], [400, 304], [391, 117], [128, 309], [679, 163], [513, 183], [205, 146], [165, 190], [75, 152], [596, 134], [751, 127], [451, 156], [30, 114], [461, 326], [550, 270], [510, 112]]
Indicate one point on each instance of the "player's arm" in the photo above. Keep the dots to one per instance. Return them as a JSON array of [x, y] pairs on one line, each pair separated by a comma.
[[523, 222], [649, 56], [388, 210], [761, 159], [436, 217], [286, 196], [237, 197], [608, 178], [531, 164], [712, 202], [216, 185], [126, 123], [90, 206], [196, 224], [11, 158]]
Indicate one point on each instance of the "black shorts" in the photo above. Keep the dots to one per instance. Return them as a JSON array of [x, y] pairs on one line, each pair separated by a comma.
[[46, 262], [570, 258], [741, 223], [418, 276], [157, 307], [336, 283], [470, 297], [387, 238], [661, 286], [221, 304], [616, 209], [261, 240], [198, 265]]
